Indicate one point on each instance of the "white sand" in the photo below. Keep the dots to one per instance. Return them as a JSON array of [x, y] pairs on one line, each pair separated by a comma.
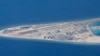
[[77, 31]]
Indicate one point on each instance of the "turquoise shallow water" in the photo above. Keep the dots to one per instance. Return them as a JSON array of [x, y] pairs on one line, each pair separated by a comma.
[[19, 12], [95, 24], [95, 31]]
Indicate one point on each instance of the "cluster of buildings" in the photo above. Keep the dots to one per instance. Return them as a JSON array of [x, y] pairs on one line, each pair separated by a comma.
[[77, 31]]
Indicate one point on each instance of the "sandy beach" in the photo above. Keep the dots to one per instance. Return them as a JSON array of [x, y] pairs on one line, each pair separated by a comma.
[[76, 31]]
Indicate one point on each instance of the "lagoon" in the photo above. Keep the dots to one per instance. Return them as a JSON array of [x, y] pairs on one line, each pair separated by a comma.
[[95, 28]]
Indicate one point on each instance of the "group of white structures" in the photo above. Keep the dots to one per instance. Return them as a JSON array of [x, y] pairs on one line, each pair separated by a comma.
[[75, 31]]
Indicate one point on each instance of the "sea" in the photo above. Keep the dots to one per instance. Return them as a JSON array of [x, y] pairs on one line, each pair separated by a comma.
[[25, 12], [95, 31]]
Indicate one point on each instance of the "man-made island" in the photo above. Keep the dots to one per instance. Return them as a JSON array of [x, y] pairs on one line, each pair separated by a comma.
[[76, 31]]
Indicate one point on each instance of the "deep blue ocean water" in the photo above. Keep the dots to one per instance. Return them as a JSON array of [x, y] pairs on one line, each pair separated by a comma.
[[19, 12]]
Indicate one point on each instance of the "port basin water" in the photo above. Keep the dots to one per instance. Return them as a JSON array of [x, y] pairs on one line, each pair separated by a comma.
[[95, 28]]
